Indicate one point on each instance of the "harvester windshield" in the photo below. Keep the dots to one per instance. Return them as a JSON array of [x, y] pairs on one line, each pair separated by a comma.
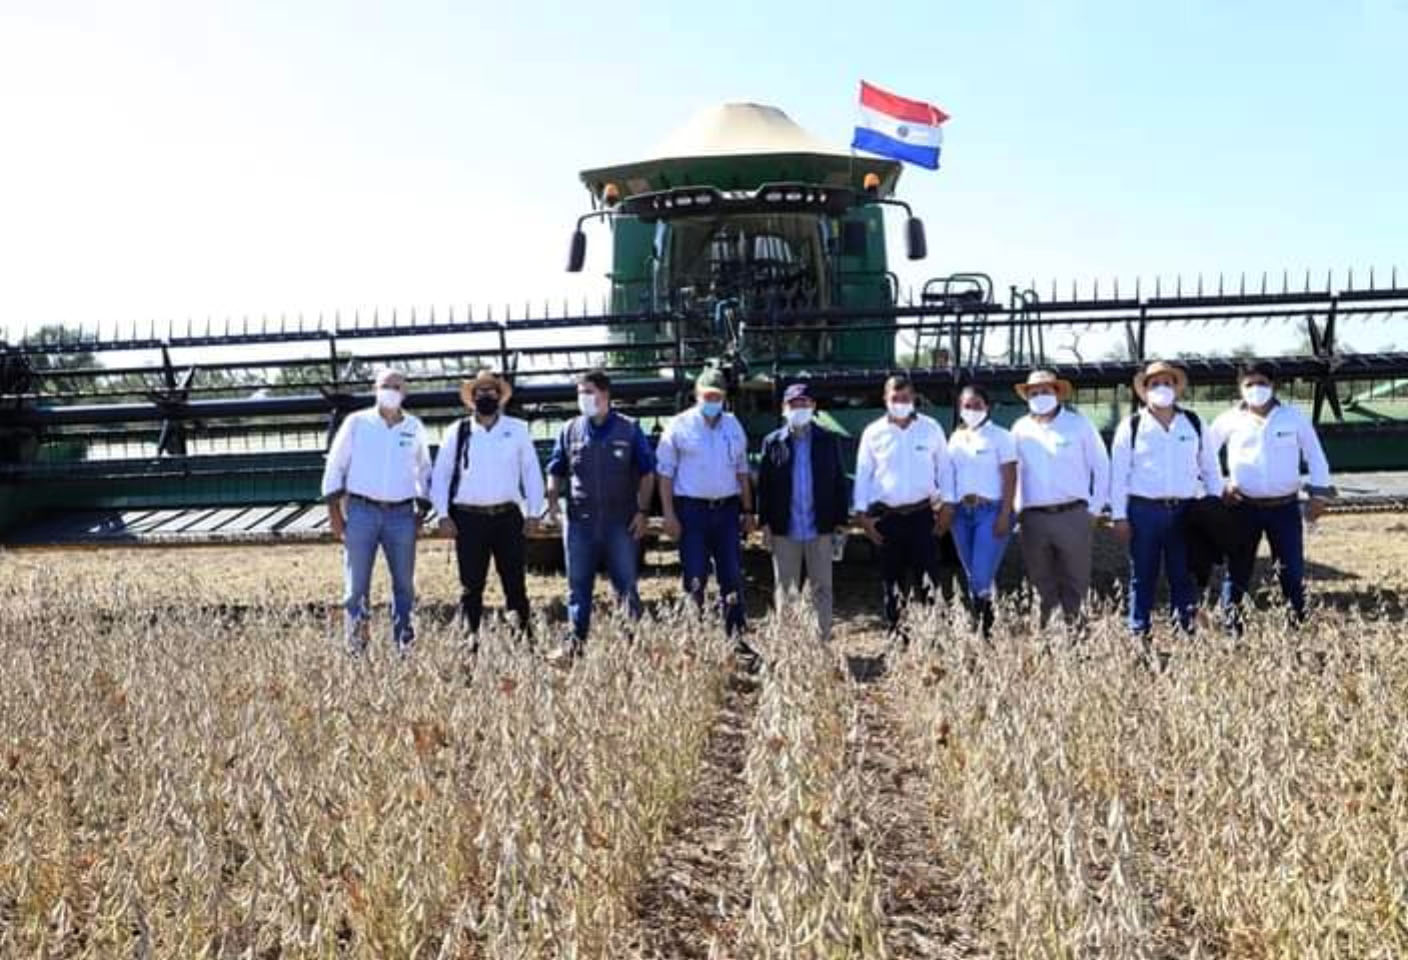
[[763, 262]]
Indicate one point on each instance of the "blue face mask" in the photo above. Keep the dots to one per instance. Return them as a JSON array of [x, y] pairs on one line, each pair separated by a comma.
[[711, 408]]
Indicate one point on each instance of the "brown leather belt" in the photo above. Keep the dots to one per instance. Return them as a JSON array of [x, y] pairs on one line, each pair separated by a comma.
[[1059, 507], [1268, 502], [973, 500], [383, 504]]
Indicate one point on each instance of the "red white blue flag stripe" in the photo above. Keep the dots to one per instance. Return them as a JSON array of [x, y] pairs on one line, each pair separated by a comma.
[[898, 128]]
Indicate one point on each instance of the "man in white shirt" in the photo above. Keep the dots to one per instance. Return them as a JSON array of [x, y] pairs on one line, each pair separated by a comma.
[[1266, 441], [379, 464], [706, 496], [487, 489], [902, 486], [1160, 463], [1063, 476]]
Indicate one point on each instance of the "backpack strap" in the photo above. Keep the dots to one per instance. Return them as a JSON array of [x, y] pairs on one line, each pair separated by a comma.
[[1193, 418], [466, 425]]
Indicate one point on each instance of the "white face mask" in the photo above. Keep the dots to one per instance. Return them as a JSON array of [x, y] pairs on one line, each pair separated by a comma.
[[1257, 395], [799, 417], [900, 411], [972, 418], [389, 399], [1042, 403], [1161, 396], [589, 404]]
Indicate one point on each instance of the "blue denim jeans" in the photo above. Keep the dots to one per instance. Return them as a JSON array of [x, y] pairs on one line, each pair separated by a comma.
[[586, 545], [393, 529], [1158, 539], [979, 549], [1282, 527], [709, 536]]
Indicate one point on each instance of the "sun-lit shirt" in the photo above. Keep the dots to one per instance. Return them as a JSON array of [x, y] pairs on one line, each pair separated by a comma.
[[976, 458], [1060, 461], [703, 461], [1162, 463], [901, 465], [1264, 454], [377, 460], [499, 465]]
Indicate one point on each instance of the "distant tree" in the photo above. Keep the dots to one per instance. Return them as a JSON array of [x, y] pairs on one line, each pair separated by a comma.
[[45, 367]]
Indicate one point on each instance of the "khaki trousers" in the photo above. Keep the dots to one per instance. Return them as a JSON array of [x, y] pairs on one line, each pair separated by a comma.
[[1056, 552], [788, 558]]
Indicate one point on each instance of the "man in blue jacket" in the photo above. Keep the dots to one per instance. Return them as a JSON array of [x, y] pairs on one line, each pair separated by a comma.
[[802, 501], [609, 470]]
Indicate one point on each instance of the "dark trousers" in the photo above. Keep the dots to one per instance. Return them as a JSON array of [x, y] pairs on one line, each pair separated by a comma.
[[479, 536], [1282, 527], [909, 560], [1157, 540], [709, 535]]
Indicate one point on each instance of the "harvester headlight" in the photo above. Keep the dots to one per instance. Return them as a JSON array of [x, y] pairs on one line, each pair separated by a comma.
[[871, 182], [611, 194]]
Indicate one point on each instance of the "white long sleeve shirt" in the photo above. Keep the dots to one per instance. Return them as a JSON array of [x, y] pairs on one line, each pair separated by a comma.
[[1264, 454], [377, 460], [499, 466], [976, 458], [1060, 461], [901, 465], [701, 459], [1162, 463]]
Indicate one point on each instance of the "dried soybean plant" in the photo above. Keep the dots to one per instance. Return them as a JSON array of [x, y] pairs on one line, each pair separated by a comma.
[[186, 782], [1247, 801]]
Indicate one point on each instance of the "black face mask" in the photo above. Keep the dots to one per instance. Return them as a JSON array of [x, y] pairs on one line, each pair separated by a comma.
[[486, 404]]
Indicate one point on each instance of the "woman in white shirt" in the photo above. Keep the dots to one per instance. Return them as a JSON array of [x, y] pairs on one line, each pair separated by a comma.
[[983, 464]]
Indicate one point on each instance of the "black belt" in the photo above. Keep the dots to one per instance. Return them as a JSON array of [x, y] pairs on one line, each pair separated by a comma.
[[903, 510], [974, 500], [487, 510], [1267, 502], [711, 504], [1168, 503], [383, 504], [1060, 507]]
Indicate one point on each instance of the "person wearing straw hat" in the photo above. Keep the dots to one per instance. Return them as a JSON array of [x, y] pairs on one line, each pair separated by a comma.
[[1159, 465], [1063, 476], [487, 489], [1266, 441], [706, 497], [379, 464]]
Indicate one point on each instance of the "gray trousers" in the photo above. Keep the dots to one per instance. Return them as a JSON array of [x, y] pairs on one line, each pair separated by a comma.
[[1056, 552], [788, 558]]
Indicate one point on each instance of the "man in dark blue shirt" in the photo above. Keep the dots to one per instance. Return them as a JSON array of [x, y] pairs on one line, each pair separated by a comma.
[[802, 501], [610, 470]]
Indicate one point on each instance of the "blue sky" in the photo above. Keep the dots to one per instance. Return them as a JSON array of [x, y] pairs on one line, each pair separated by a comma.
[[182, 159]]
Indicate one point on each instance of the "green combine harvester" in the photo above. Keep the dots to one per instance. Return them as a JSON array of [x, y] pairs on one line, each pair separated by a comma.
[[744, 244]]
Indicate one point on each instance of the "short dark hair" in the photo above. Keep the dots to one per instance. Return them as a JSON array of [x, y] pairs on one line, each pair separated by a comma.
[[597, 378], [1257, 368], [898, 381], [977, 390]]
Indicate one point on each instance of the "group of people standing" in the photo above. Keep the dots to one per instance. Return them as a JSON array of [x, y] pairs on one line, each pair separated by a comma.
[[1050, 476]]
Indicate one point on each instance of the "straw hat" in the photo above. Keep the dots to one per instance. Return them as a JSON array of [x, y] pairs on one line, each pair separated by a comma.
[[1046, 378], [1180, 377], [485, 378]]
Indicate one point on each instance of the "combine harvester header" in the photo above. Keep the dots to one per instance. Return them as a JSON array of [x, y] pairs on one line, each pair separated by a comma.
[[744, 244]]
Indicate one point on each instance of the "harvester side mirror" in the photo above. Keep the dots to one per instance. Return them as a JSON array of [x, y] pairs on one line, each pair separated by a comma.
[[854, 240], [577, 255], [916, 246]]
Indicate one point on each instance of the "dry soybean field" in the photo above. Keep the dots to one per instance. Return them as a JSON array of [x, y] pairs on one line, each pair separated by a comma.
[[190, 766]]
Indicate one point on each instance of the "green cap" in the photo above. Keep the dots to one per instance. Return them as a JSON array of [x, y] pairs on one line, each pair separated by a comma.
[[711, 379]]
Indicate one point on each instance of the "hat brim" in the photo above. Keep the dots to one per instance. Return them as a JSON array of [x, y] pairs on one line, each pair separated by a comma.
[[1064, 388], [467, 388], [1141, 379]]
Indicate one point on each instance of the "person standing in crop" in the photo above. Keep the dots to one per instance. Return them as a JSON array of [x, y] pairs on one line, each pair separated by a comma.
[[802, 502], [487, 489], [706, 496], [376, 484], [610, 473], [1063, 478], [1159, 466], [983, 461], [1266, 441], [901, 491]]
